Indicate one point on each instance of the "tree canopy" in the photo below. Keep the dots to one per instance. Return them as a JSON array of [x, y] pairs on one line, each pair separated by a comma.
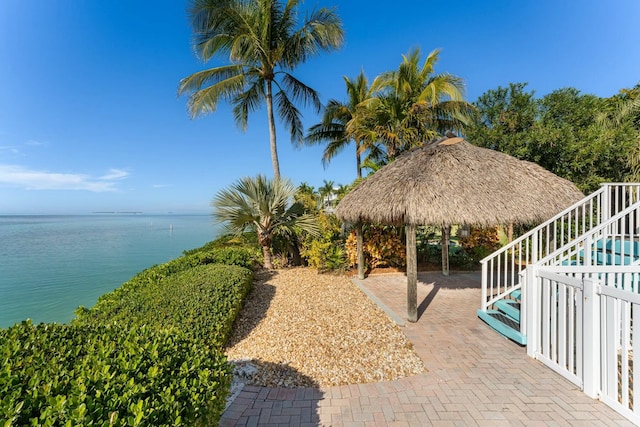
[[560, 132]]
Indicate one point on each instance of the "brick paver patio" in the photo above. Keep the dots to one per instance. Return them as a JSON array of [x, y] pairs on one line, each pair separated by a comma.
[[475, 377]]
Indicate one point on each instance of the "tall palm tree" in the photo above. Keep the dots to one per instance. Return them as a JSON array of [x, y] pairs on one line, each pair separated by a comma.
[[414, 105], [264, 206], [340, 122], [264, 44]]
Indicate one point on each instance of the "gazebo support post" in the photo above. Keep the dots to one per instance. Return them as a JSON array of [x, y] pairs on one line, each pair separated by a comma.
[[412, 274], [446, 231], [360, 244]]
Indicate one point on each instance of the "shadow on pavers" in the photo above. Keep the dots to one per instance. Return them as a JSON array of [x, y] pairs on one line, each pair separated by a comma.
[[255, 405]]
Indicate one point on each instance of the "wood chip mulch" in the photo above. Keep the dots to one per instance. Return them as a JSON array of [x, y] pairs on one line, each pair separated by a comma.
[[300, 328]]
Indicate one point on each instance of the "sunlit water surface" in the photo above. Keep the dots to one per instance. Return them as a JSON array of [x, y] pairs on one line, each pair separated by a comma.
[[50, 265]]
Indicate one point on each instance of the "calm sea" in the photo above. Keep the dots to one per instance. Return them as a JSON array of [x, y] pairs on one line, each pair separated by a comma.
[[50, 265]]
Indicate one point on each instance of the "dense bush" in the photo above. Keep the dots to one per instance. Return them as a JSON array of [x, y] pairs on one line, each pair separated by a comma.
[[246, 241], [383, 247], [481, 242], [325, 252], [64, 375], [201, 301], [242, 257], [148, 353]]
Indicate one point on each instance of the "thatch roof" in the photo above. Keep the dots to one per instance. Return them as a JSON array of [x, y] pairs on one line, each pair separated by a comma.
[[454, 182]]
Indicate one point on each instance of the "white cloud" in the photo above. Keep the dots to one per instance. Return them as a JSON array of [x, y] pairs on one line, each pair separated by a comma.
[[34, 143], [42, 180], [13, 150], [115, 174]]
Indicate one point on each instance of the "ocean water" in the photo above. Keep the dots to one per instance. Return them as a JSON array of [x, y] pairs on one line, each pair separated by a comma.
[[50, 265]]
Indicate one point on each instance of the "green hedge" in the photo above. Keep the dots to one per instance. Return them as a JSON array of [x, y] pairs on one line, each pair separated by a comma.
[[201, 302], [148, 353], [68, 375]]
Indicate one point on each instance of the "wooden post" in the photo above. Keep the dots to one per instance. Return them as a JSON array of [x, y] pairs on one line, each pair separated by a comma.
[[446, 230], [412, 274], [360, 244]]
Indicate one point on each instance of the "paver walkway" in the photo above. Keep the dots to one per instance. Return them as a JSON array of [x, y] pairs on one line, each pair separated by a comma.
[[475, 377]]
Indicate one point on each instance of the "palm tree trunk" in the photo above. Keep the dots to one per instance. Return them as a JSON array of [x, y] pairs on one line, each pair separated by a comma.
[[266, 253], [446, 231], [272, 132], [358, 160]]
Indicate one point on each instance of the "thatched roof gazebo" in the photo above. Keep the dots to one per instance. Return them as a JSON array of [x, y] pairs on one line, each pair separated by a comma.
[[453, 182]]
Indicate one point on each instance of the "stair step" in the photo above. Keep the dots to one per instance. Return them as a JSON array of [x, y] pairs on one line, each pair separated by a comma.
[[503, 324], [510, 307], [517, 295]]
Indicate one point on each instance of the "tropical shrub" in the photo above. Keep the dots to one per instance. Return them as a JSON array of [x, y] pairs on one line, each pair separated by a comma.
[[382, 247], [148, 353], [326, 251], [480, 242], [64, 375], [243, 257], [266, 207], [247, 241], [201, 302]]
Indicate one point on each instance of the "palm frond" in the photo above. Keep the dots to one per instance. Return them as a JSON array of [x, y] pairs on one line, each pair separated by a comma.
[[248, 101], [300, 92], [290, 115]]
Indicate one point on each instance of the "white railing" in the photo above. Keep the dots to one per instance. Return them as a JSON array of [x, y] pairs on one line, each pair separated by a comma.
[[503, 269], [583, 322], [613, 242], [555, 327]]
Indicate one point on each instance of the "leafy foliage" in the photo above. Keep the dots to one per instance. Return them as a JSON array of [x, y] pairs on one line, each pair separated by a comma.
[[55, 375], [201, 302], [266, 207], [147, 354], [326, 252], [412, 105], [383, 247], [480, 242], [341, 122], [559, 131], [244, 256]]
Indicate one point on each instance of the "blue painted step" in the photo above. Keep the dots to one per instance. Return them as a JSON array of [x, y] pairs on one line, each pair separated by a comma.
[[510, 307], [611, 252], [503, 324]]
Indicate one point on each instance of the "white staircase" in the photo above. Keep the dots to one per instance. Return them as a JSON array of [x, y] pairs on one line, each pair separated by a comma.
[[570, 289], [555, 242]]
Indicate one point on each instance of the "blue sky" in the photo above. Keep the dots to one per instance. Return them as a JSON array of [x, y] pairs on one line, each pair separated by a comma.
[[90, 120]]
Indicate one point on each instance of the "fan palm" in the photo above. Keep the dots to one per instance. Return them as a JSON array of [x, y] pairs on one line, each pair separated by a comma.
[[264, 206], [414, 105], [264, 45], [341, 121]]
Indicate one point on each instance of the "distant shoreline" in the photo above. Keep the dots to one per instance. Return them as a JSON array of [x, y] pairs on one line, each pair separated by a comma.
[[114, 212]]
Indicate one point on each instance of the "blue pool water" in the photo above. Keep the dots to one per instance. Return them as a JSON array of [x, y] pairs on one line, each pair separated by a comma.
[[50, 265]]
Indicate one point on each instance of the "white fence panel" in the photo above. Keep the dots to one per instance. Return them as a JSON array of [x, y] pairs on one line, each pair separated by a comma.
[[560, 324], [585, 332]]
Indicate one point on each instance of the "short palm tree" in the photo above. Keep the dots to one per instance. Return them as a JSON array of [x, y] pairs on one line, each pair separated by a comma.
[[264, 44], [326, 193], [340, 121], [414, 105], [264, 206]]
